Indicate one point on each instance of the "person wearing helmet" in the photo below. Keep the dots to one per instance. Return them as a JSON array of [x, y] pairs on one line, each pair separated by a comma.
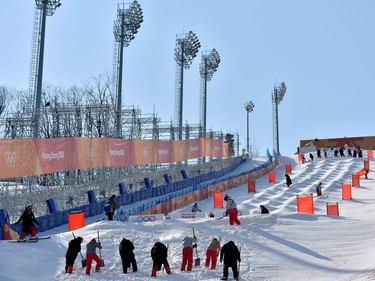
[[232, 211], [91, 255], [27, 218], [71, 254]]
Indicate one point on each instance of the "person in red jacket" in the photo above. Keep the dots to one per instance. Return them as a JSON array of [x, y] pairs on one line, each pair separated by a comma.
[[27, 219], [232, 211]]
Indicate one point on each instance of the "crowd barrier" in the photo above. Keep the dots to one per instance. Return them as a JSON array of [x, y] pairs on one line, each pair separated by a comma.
[[30, 157], [165, 198]]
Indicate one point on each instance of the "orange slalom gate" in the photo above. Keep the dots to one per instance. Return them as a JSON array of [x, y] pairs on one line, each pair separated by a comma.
[[218, 199], [271, 177], [305, 203], [332, 209], [76, 220], [288, 168], [369, 153], [250, 186], [346, 191]]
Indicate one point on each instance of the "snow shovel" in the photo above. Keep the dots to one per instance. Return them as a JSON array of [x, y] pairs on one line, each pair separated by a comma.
[[100, 253], [197, 261], [83, 261]]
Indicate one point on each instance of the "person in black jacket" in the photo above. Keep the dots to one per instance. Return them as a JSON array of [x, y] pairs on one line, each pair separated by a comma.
[[230, 254], [159, 254], [27, 219], [126, 248], [263, 210], [288, 180], [71, 254]]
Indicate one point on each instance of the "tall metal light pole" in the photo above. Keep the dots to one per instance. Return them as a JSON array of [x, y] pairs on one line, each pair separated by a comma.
[[47, 8], [209, 64], [249, 106], [187, 46], [128, 22], [278, 93]]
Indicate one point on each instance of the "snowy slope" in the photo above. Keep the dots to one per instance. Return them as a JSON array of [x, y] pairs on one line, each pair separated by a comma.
[[283, 245]]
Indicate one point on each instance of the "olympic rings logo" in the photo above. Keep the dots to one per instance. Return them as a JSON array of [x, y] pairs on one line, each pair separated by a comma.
[[10, 159], [146, 218]]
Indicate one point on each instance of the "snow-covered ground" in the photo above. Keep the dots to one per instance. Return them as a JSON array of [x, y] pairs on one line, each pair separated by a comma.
[[284, 245]]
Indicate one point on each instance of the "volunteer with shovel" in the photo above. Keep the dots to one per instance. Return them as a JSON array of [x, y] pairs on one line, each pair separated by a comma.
[[91, 255], [188, 243], [71, 254]]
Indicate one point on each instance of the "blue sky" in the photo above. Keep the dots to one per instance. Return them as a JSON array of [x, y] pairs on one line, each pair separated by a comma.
[[322, 50]]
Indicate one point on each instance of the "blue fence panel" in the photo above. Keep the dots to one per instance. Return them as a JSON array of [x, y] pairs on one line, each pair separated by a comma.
[[91, 196], [92, 209], [167, 178], [122, 188], [4, 219], [52, 206], [184, 174], [147, 182]]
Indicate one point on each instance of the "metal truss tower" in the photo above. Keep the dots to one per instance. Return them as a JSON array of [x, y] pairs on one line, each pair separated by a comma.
[[43, 9], [129, 19], [277, 95], [187, 46], [209, 64]]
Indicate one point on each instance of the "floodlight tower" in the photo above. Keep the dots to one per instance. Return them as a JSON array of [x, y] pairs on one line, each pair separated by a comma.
[[278, 93], [249, 106], [187, 46], [129, 19], [208, 66], [43, 9]]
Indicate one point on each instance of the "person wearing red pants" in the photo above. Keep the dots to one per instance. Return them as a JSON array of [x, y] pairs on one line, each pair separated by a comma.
[[91, 255], [159, 254], [232, 211], [187, 252], [212, 252], [27, 218]]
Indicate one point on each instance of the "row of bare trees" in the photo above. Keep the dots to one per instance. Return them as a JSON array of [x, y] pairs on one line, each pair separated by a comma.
[[81, 111]]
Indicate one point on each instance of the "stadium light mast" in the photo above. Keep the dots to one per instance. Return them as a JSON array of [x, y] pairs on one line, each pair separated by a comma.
[[47, 8], [128, 22], [249, 106], [208, 66], [277, 94], [187, 46]]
